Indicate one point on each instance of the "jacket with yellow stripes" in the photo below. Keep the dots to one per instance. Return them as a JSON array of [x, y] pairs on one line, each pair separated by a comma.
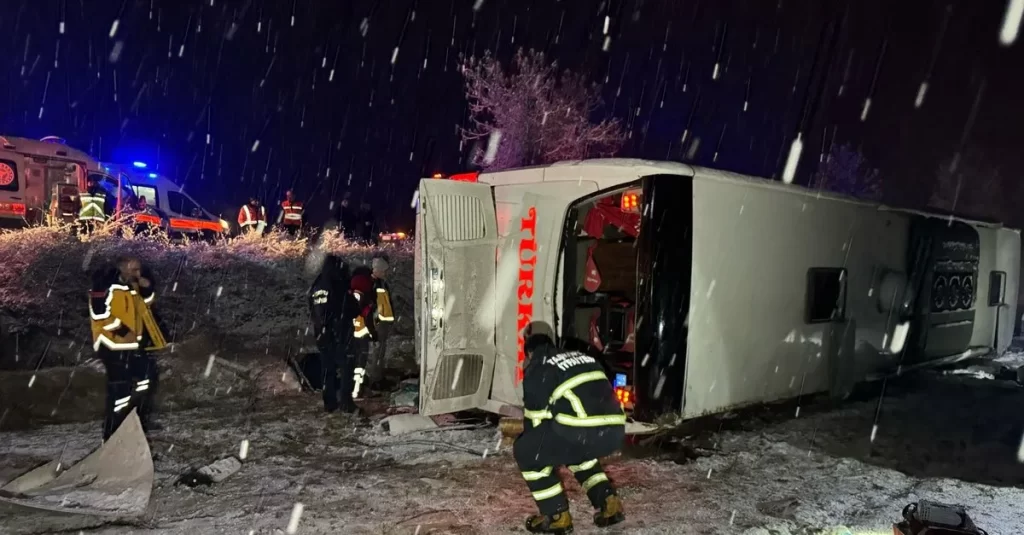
[[121, 319], [570, 389]]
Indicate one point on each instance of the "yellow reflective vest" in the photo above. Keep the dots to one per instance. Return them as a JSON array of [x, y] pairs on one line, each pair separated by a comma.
[[120, 316]]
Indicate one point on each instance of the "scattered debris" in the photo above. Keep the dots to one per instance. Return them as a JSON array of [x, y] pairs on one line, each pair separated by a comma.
[[399, 424], [212, 473]]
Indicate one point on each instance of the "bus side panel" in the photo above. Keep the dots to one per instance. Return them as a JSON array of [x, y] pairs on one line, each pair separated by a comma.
[[753, 249], [1008, 262], [986, 314]]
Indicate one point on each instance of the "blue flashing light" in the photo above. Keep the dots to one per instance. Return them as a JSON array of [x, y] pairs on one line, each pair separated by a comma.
[[152, 175], [140, 165], [620, 380]]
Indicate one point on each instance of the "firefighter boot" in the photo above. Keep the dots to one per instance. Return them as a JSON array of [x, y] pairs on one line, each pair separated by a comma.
[[558, 523], [610, 513]]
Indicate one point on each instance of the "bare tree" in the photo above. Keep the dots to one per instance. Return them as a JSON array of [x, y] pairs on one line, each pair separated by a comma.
[[533, 114], [845, 171]]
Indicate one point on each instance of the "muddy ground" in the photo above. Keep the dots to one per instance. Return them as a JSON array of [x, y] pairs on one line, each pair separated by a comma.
[[950, 438]]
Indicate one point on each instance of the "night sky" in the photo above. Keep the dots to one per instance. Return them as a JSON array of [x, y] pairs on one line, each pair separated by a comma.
[[365, 95]]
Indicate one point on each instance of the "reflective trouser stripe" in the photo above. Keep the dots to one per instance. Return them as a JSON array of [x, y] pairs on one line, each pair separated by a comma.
[[545, 487], [582, 466], [550, 492], [121, 403], [357, 380], [142, 385], [594, 480], [540, 474]]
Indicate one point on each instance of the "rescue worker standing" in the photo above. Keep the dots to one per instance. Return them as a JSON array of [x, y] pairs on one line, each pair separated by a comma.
[[252, 217], [384, 319], [94, 207], [364, 329], [332, 308], [571, 418], [291, 214], [123, 331]]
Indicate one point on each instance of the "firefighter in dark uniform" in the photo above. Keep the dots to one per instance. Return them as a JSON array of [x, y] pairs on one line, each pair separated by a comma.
[[94, 207], [571, 418], [332, 309], [124, 331]]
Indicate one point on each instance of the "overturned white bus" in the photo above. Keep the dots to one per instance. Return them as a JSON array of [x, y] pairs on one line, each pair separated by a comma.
[[704, 290]]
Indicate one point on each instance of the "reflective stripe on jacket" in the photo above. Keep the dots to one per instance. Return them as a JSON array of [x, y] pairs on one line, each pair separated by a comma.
[[247, 217], [120, 316], [92, 207], [292, 211], [384, 312], [570, 388]]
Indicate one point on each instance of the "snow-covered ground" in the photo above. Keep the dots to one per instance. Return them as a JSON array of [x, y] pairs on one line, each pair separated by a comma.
[[952, 439]]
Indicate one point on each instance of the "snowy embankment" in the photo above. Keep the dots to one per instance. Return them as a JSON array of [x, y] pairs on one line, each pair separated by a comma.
[[243, 300], [948, 439]]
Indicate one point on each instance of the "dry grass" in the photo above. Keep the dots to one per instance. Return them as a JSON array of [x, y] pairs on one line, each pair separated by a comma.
[[246, 295]]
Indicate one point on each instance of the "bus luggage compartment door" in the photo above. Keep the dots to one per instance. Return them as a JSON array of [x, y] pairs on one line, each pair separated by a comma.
[[457, 236]]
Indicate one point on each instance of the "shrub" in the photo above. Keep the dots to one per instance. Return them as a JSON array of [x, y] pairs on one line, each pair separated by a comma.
[[247, 294]]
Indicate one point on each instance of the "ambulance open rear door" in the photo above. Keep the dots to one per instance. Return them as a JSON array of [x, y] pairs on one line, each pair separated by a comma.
[[457, 237]]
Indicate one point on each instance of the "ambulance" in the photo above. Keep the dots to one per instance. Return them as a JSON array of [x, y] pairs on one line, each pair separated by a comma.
[[40, 181], [702, 290], [165, 204]]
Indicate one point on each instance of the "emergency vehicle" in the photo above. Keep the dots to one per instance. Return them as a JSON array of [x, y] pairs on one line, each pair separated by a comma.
[[40, 181], [167, 205], [390, 237], [704, 290]]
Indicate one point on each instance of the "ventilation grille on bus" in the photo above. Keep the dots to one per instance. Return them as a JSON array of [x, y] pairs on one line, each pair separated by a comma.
[[458, 375], [461, 217]]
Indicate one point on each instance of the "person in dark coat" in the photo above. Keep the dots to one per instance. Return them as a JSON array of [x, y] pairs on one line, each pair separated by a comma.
[[125, 332], [570, 418], [332, 309]]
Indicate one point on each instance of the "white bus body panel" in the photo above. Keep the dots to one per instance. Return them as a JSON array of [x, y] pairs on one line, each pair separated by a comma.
[[752, 238], [457, 235], [752, 248]]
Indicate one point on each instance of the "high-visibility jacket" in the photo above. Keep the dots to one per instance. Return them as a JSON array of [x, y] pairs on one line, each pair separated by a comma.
[[291, 212], [570, 389], [93, 203], [384, 312], [362, 290], [248, 217], [121, 317]]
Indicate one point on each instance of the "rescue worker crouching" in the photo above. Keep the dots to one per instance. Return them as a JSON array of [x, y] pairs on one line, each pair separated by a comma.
[[332, 308], [93, 211], [252, 217], [571, 418], [124, 331]]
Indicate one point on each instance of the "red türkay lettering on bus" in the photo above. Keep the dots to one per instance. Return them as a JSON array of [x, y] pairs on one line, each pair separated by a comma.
[[524, 293]]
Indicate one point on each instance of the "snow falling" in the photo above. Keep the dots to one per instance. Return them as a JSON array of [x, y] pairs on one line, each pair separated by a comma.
[[349, 104]]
